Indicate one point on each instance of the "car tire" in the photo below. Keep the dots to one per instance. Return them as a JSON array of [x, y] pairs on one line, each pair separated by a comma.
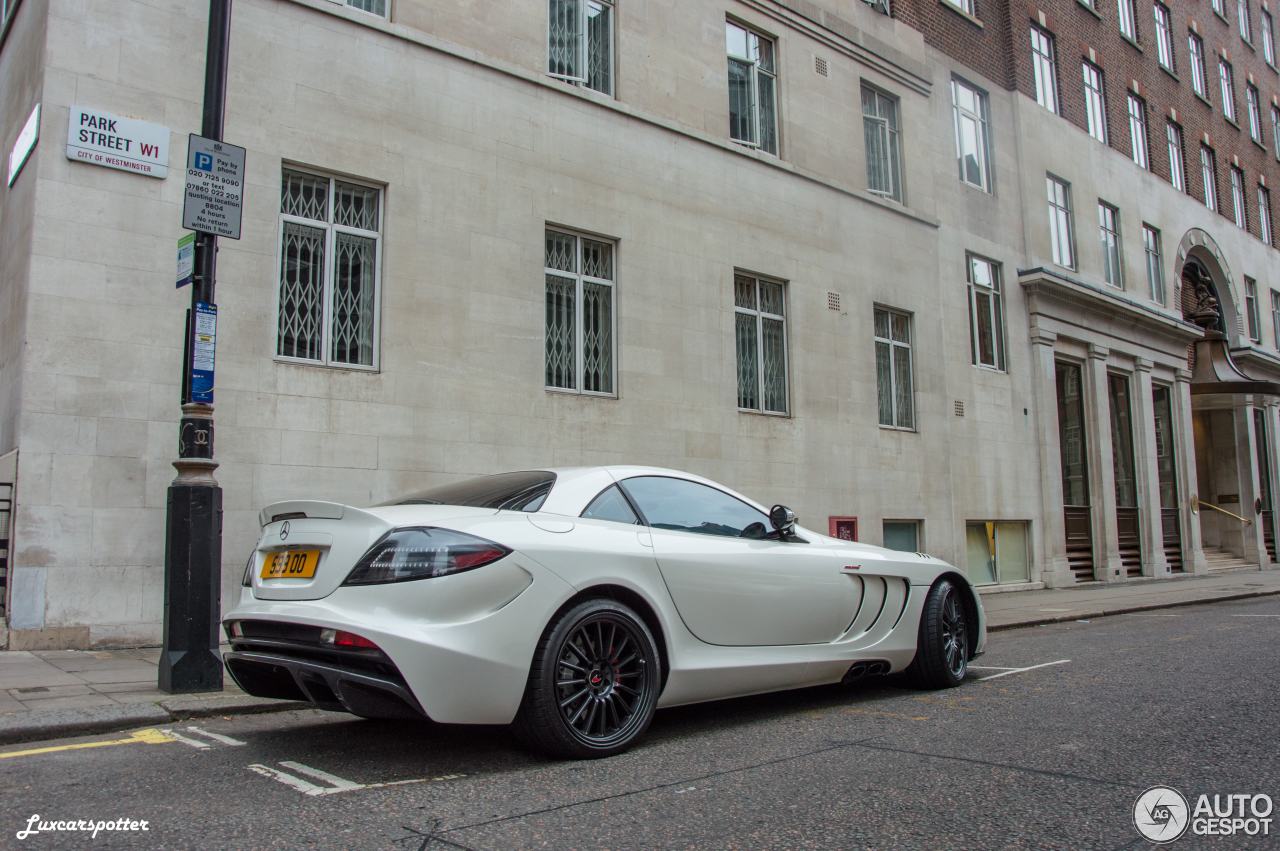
[[943, 643], [593, 685]]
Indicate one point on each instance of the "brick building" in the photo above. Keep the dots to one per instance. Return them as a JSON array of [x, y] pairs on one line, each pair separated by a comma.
[[897, 266]]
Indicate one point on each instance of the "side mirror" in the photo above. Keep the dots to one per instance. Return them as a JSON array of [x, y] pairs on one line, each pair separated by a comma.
[[783, 520]]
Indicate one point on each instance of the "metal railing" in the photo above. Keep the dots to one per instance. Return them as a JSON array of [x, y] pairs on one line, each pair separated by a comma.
[[1197, 503]]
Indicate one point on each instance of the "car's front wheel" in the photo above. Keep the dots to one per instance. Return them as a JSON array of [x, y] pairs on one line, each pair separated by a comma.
[[942, 647], [593, 685]]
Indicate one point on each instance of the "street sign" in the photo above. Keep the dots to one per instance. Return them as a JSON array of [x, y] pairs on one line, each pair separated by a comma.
[[24, 144], [203, 345], [100, 138], [186, 259], [215, 187]]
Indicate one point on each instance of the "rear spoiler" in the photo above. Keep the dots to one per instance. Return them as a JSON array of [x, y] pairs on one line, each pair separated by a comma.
[[296, 509]]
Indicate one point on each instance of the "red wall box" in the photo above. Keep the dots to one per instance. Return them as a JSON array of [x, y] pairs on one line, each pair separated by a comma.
[[845, 528]]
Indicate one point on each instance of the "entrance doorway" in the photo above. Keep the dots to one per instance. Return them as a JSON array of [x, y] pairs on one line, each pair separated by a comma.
[[1075, 471]]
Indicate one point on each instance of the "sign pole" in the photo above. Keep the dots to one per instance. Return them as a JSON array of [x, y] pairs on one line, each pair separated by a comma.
[[189, 661]]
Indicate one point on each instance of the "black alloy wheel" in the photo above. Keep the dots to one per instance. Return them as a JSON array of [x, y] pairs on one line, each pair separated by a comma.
[[593, 685], [943, 643]]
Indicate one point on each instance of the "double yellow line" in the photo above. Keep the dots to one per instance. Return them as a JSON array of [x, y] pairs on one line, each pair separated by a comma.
[[138, 737]]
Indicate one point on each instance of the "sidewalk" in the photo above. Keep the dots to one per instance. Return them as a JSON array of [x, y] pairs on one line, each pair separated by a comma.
[[50, 693]]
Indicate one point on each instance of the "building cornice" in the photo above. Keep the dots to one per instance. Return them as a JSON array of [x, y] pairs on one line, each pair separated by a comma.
[[1046, 288]]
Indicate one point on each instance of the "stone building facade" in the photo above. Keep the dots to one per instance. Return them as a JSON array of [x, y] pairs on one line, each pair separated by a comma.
[[800, 247]]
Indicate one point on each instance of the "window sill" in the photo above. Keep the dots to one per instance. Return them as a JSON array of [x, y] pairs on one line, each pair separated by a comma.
[[1232, 122], [899, 429], [753, 148], [1088, 7], [586, 394], [1220, 16], [976, 188], [339, 367], [994, 370], [759, 413], [1203, 99], [1259, 143], [1249, 44], [962, 13], [1170, 72], [1133, 42]]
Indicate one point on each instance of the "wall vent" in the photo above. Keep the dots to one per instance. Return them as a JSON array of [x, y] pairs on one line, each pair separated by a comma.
[[959, 408], [820, 65], [833, 301]]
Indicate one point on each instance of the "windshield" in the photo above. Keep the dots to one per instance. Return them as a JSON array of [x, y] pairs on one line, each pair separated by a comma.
[[525, 491]]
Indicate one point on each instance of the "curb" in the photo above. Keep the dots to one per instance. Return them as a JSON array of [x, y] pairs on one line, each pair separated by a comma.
[[1102, 613], [16, 728]]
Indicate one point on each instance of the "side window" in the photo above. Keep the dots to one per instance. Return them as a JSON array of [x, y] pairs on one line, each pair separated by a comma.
[[691, 507], [611, 505]]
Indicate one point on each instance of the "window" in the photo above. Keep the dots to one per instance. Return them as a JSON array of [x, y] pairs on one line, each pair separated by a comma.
[[1251, 308], [1268, 39], [580, 43], [1264, 214], [330, 247], [684, 506], [611, 505], [376, 7], [880, 130], [1155, 262], [753, 82], [1177, 167], [1255, 112], [1061, 229], [1046, 71], [1228, 89], [1109, 235], [1238, 212], [1128, 24], [760, 332], [1208, 176], [1275, 130], [1095, 105], [966, 6], [902, 535], [997, 552], [1242, 15], [1199, 76], [1275, 318], [973, 148], [1138, 130], [580, 316], [893, 368], [1164, 36], [1219, 6], [986, 313]]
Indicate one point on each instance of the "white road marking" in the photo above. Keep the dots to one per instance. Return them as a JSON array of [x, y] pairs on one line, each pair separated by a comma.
[[1255, 616], [990, 668], [336, 784], [1055, 610], [178, 737], [1022, 670], [217, 737]]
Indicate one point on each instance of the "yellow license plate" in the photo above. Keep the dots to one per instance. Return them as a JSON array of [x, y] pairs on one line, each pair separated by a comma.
[[290, 564]]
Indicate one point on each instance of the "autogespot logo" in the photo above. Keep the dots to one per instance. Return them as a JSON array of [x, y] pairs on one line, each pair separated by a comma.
[[1161, 814]]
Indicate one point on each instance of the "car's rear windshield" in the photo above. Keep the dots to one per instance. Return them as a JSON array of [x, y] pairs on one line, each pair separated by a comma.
[[525, 491]]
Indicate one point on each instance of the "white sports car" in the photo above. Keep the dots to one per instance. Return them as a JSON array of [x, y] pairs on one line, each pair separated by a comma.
[[575, 602]]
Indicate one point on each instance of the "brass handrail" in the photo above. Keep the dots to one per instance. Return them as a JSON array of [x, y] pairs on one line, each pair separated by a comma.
[[1196, 502]]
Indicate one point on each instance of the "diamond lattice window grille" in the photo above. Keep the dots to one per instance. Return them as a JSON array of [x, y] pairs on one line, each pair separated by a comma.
[[355, 206], [597, 338], [305, 196], [597, 259], [328, 296], [562, 253], [580, 334], [761, 344], [561, 356]]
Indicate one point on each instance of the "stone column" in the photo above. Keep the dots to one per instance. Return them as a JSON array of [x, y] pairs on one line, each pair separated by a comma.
[[1055, 570], [1188, 484], [1147, 470], [1253, 549], [1102, 474]]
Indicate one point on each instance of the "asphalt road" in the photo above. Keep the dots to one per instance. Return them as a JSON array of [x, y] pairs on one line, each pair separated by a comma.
[[1053, 756]]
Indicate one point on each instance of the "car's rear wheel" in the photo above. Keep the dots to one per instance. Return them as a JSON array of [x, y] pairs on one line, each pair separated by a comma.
[[942, 647], [593, 685]]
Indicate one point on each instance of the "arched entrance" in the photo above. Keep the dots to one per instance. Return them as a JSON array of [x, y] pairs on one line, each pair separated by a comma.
[[1232, 505]]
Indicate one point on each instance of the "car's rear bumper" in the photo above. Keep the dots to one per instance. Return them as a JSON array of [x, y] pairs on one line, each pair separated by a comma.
[[327, 686]]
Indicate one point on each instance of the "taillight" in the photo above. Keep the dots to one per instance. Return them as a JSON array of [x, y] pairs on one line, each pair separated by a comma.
[[423, 552], [349, 640], [247, 579]]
